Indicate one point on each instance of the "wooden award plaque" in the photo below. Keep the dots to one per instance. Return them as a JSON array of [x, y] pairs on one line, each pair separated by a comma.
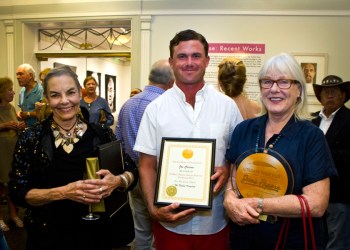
[[263, 174]]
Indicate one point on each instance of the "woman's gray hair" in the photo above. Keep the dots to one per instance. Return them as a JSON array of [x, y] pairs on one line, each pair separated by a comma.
[[65, 70], [286, 64]]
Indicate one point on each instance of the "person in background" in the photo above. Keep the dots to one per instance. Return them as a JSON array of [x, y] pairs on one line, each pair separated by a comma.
[[284, 129], [47, 175], [43, 73], [190, 109], [232, 77], [9, 129], [160, 78], [135, 91], [97, 106], [31, 93], [334, 121], [42, 108]]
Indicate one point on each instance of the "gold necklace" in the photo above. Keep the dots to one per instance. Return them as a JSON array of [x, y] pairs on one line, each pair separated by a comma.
[[67, 141]]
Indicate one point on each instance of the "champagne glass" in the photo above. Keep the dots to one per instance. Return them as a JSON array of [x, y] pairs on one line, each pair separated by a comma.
[[91, 167], [90, 215]]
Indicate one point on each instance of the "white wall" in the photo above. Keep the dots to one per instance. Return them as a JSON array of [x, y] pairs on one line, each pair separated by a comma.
[[308, 34], [314, 26], [102, 65], [279, 33]]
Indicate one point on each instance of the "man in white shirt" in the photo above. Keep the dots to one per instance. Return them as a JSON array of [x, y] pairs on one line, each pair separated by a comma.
[[191, 109]]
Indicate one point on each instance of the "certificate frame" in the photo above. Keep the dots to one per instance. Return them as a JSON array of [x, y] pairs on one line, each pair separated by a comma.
[[184, 170]]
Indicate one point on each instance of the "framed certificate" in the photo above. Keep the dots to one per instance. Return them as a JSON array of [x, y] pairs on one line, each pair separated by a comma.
[[184, 171]]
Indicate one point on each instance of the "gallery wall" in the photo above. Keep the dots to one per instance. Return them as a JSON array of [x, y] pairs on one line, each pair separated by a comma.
[[104, 67], [283, 26], [291, 34]]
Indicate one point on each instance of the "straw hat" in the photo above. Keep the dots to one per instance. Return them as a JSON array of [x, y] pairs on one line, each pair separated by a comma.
[[332, 81]]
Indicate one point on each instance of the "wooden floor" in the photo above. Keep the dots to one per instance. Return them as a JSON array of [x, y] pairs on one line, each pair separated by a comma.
[[16, 237]]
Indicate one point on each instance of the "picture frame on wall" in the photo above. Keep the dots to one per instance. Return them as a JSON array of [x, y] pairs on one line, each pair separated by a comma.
[[110, 87], [314, 66], [59, 65]]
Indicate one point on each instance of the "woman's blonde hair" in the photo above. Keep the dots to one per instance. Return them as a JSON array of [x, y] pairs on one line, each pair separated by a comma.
[[232, 76]]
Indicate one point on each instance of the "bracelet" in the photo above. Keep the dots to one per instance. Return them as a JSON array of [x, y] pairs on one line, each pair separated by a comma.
[[124, 179], [228, 189], [261, 204], [125, 182], [130, 175]]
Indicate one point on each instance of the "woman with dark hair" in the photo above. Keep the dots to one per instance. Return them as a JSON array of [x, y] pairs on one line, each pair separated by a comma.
[[48, 170]]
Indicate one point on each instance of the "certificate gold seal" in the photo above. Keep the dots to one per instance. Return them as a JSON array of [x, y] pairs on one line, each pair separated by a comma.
[[187, 153], [171, 190]]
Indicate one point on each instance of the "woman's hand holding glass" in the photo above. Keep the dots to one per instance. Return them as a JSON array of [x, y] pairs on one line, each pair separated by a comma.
[[83, 192], [105, 185]]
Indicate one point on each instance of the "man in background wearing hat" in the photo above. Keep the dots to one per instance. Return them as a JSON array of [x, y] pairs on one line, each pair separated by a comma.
[[334, 121]]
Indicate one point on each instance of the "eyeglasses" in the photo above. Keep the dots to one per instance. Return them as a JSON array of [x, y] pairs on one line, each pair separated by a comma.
[[281, 83]]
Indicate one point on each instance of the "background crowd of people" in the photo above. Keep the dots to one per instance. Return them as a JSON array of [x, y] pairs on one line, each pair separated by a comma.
[[47, 141]]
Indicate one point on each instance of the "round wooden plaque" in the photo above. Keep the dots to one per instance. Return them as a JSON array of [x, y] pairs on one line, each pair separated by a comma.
[[263, 174]]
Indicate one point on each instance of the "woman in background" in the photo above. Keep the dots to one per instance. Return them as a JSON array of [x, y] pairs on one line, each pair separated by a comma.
[[99, 111], [9, 128], [43, 74], [135, 91], [232, 77], [42, 108]]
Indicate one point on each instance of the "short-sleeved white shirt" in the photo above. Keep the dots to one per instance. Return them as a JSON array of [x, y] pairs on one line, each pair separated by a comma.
[[214, 116]]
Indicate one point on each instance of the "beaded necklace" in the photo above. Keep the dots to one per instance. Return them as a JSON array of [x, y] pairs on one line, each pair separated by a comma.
[[68, 140], [271, 145]]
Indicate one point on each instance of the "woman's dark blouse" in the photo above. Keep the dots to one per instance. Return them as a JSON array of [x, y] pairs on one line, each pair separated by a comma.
[[39, 164], [304, 147]]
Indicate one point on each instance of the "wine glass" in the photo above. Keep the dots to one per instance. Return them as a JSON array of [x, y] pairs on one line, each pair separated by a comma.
[[90, 215], [92, 167]]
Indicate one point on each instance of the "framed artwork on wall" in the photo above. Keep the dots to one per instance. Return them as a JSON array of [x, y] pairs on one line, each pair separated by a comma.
[[58, 65], [314, 66], [110, 86]]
